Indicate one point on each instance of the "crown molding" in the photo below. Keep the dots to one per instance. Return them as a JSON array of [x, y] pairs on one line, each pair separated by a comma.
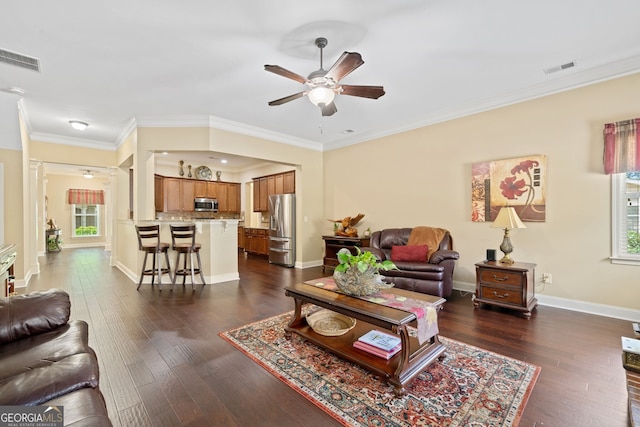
[[223, 124], [76, 142], [126, 131], [575, 80]]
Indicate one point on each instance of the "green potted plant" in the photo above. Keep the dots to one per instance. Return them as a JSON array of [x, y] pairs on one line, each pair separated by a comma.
[[357, 274]]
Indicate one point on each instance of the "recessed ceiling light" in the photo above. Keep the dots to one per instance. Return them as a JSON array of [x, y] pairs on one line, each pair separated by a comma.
[[78, 125], [223, 161], [347, 131], [164, 153]]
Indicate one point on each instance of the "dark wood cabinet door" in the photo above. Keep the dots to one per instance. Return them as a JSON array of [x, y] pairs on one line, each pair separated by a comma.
[[188, 194], [289, 182], [172, 195]]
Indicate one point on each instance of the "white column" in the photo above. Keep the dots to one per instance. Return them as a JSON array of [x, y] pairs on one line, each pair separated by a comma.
[[35, 174]]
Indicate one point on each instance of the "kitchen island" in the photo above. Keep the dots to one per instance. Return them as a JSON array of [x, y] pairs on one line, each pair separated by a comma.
[[219, 253]]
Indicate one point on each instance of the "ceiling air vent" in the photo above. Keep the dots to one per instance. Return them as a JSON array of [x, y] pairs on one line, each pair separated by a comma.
[[19, 60], [560, 67]]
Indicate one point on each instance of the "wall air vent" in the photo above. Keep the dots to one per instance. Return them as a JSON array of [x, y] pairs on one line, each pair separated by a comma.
[[560, 67], [19, 60]]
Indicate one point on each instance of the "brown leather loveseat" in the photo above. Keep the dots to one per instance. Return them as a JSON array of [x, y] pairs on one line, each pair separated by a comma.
[[432, 274], [45, 359]]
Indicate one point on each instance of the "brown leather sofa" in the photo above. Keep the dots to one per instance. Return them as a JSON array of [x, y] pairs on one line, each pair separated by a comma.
[[433, 277], [45, 359]]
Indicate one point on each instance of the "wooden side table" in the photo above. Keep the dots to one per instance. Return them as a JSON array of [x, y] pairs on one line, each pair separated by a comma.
[[506, 285], [332, 244]]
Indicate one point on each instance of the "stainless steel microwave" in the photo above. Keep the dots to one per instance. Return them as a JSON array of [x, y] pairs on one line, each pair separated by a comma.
[[204, 204]]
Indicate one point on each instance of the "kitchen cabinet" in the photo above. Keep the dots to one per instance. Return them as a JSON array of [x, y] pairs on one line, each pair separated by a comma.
[[233, 197], [240, 237], [256, 241], [265, 186], [200, 189], [212, 190], [158, 190], [264, 195], [174, 194], [271, 185], [279, 184], [177, 194], [289, 182]]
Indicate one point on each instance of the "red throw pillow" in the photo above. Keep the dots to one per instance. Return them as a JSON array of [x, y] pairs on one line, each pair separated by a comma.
[[409, 253]]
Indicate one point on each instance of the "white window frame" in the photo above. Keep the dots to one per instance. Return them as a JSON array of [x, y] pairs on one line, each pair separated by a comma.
[[619, 254], [73, 221]]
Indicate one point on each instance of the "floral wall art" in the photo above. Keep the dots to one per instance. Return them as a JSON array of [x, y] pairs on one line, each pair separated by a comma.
[[518, 182]]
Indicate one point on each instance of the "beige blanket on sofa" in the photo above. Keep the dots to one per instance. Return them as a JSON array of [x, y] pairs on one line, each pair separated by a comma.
[[429, 236]]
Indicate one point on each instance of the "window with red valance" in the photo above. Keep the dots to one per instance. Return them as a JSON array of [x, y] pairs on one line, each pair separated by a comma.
[[86, 197]]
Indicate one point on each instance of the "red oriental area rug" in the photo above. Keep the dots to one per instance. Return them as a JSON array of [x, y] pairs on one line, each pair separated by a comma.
[[469, 387]]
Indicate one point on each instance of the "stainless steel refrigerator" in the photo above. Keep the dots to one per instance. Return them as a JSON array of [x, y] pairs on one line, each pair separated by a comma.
[[282, 229]]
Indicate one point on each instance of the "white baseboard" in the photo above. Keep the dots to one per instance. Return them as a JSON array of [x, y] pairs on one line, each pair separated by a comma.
[[571, 304], [219, 278], [82, 245], [308, 264]]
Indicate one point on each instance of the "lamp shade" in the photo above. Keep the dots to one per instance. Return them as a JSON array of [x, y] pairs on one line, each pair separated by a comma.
[[507, 218], [321, 96]]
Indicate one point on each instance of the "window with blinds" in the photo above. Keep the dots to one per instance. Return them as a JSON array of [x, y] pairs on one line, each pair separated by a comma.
[[85, 220], [625, 218]]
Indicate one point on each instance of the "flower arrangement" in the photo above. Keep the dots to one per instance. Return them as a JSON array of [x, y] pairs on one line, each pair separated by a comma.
[[358, 274], [362, 261]]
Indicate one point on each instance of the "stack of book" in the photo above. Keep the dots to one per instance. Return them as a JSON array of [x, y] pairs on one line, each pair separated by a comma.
[[379, 343]]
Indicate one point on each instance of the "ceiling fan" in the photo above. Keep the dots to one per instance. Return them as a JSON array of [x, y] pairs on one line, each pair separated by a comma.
[[324, 85]]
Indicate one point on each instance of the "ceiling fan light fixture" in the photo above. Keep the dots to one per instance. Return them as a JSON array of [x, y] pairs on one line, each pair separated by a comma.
[[321, 96], [78, 125]]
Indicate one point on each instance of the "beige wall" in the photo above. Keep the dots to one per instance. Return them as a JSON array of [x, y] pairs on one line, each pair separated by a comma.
[[72, 155], [59, 209], [423, 177], [13, 206]]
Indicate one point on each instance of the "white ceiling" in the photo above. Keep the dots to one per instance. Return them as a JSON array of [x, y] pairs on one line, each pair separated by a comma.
[[108, 63]]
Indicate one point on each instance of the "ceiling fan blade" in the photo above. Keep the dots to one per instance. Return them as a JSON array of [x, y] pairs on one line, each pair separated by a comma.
[[276, 69], [329, 110], [287, 98], [373, 92], [348, 62]]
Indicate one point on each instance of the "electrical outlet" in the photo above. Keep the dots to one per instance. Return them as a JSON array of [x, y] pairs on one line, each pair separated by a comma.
[[546, 278]]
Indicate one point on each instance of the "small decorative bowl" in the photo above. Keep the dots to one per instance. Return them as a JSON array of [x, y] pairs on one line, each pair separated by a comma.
[[329, 323]]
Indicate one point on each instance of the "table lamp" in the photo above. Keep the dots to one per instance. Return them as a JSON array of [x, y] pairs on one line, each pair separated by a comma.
[[508, 219]]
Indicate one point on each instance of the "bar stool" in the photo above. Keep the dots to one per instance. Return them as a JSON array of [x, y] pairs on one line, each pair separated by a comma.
[[149, 242], [183, 241]]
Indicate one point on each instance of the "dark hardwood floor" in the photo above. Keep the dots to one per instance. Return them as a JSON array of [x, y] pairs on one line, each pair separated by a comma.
[[163, 364]]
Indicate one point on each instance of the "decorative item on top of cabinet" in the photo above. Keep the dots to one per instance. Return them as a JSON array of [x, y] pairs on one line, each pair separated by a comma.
[[265, 186]]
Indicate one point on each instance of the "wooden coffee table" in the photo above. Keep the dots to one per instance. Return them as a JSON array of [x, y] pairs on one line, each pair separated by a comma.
[[401, 368]]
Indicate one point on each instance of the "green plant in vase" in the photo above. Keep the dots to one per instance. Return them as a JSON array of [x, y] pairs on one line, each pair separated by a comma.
[[358, 274]]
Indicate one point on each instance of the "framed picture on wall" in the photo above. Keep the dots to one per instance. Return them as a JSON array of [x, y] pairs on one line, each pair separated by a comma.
[[519, 182]]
